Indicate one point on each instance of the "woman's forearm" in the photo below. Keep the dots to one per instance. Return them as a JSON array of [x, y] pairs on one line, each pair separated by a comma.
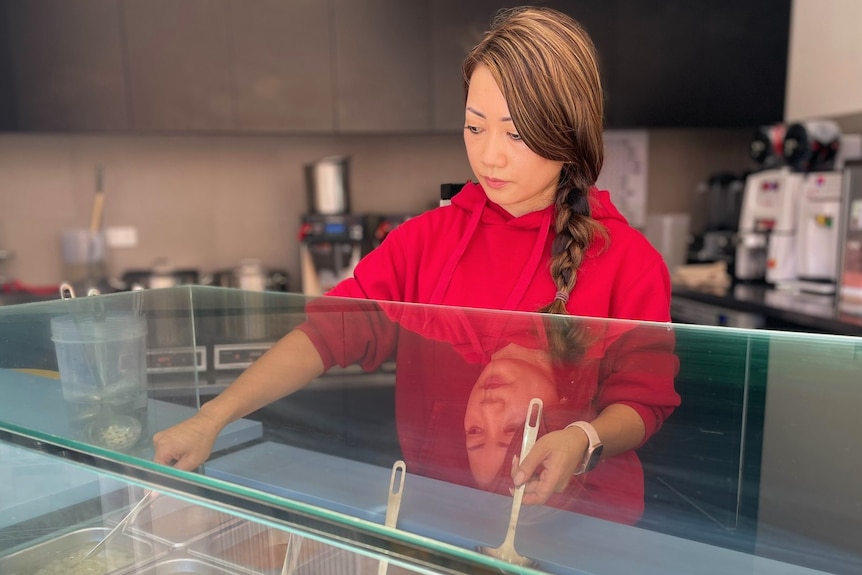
[[288, 366], [620, 428]]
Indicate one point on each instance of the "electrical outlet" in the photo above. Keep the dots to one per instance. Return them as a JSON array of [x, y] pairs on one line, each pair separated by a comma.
[[121, 237]]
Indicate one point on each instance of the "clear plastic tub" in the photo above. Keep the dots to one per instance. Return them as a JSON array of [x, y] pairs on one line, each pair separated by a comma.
[[103, 373]]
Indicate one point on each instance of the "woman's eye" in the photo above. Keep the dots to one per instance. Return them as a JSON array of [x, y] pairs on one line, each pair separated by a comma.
[[516, 137], [511, 429], [472, 129], [475, 430]]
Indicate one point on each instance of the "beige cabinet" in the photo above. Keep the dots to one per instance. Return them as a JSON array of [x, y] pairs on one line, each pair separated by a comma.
[[283, 66], [824, 71], [382, 55], [66, 63], [180, 65]]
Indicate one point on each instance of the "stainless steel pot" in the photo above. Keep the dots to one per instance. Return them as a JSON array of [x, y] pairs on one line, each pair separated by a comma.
[[249, 275], [328, 185]]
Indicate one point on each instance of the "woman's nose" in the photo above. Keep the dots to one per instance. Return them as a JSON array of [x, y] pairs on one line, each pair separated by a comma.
[[493, 153], [492, 403]]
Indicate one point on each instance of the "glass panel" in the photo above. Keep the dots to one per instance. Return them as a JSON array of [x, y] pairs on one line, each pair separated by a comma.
[[51, 527], [753, 471]]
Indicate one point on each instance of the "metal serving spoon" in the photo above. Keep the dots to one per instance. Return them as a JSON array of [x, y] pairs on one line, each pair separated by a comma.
[[506, 551]]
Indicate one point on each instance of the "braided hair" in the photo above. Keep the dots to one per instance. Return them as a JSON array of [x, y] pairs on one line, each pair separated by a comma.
[[546, 66]]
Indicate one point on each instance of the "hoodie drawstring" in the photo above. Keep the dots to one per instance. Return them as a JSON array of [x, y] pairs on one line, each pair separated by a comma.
[[529, 271], [449, 270]]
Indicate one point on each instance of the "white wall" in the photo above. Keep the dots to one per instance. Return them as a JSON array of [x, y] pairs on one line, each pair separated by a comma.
[[824, 75]]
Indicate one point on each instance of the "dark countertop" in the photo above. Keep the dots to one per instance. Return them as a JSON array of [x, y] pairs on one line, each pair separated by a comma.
[[782, 309], [15, 298]]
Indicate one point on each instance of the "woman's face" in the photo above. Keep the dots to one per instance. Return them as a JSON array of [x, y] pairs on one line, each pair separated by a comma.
[[497, 407], [512, 175]]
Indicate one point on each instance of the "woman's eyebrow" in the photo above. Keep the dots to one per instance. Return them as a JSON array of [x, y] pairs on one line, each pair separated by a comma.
[[481, 115]]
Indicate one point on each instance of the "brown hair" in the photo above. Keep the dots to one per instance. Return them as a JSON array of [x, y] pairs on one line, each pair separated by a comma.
[[546, 67]]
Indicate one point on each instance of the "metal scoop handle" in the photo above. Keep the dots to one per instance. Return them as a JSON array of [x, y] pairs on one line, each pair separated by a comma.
[[120, 527], [507, 551], [393, 504], [531, 432]]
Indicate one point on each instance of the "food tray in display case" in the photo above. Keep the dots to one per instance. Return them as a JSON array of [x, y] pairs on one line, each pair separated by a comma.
[[185, 566], [175, 523], [61, 555], [251, 547]]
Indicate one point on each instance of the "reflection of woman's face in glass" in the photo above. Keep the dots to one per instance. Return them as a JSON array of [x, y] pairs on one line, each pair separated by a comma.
[[497, 407]]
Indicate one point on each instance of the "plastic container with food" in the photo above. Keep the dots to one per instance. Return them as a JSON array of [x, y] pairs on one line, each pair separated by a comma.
[[251, 546], [62, 555], [175, 522]]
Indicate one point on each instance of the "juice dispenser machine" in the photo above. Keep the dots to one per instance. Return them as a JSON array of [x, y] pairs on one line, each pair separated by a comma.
[[766, 239], [819, 151]]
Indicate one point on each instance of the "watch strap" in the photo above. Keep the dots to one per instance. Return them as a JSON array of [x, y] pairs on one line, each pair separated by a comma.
[[594, 447]]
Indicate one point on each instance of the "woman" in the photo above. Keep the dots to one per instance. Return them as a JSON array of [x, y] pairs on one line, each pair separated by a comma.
[[531, 234]]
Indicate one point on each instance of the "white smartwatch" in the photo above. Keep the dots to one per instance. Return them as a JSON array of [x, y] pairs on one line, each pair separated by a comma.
[[594, 449]]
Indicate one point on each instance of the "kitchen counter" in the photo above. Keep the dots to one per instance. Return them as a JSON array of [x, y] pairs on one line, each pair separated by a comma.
[[14, 298], [780, 309]]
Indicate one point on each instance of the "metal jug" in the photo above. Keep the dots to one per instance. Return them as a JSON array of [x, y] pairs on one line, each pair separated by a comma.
[[328, 185]]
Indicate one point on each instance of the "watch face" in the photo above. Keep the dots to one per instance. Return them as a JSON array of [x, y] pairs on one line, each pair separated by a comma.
[[594, 457]]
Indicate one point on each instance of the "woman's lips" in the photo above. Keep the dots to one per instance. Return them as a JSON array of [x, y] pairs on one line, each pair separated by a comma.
[[495, 183]]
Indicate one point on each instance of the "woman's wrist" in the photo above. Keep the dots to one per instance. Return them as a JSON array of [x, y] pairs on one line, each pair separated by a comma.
[[211, 413], [594, 447]]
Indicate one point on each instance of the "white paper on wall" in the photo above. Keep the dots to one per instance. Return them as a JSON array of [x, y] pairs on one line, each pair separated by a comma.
[[624, 173]]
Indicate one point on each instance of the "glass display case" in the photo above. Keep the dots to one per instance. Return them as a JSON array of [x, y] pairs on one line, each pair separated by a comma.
[[398, 457]]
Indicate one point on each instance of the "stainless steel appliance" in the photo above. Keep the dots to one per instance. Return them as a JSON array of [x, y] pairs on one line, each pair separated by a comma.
[[251, 275], [380, 226], [850, 242], [448, 191], [820, 151], [328, 185], [330, 246], [767, 222], [766, 218]]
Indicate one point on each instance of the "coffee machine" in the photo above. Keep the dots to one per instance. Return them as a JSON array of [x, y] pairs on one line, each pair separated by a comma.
[[766, 243], [818, 150], [722, 195], [330, 247]]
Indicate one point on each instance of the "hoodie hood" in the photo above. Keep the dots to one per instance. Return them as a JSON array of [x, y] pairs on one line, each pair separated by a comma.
[[472, 197], [480, 211]]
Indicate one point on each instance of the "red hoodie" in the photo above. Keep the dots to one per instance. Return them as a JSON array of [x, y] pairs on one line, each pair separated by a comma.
[[474, 254]]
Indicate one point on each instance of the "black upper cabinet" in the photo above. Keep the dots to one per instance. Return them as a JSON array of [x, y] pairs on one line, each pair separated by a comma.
[[699, 63], [456, 26], [599, 21], [382, 60], [67, 65], [352, 66], [7, 113]]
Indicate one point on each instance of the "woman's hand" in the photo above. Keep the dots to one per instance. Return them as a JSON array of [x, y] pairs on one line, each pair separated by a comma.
[[187, 444], [558, 454]]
